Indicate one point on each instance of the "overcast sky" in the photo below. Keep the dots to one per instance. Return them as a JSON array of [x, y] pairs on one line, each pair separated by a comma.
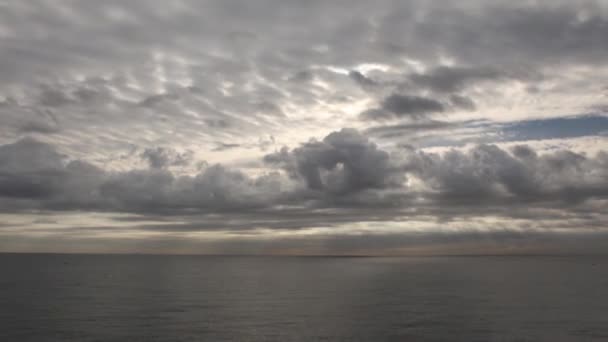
[[304, 127]]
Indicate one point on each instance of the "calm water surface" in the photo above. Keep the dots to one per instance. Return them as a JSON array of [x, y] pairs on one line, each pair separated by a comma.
[[196, 298]]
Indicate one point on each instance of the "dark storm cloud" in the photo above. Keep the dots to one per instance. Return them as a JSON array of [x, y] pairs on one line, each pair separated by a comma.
[[345, 173], [215, 189], [342, 163], [30, 170], [397, 106], [489, 173], [477, 182], [410, 105], [34, 175]]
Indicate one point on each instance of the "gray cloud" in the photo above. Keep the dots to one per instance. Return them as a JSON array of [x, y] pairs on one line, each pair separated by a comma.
[[490, 173], [345, 169], [411, 105], [42, 178], [215, 189], [34, 175], [344, 162], [340, 180], [153, 100], [433, 133], [135, 58], [396, 106], [400, 130], [361, 79], [451, 79], [462, 102], [50, 97], [127, 98], [225, 146], [160, 157], [39, 127]]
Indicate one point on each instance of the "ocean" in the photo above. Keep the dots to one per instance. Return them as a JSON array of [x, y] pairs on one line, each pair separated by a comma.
[[53, 297]]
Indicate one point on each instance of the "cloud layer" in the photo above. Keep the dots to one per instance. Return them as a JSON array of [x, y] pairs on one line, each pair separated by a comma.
[[293, 121], [344, 172]]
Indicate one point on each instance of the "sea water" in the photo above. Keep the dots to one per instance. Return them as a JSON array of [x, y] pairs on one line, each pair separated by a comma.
[[45, 297]]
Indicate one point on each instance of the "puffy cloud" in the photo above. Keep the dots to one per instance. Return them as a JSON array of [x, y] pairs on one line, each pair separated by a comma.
[[33, 175], [216, 189], [344, 184], [344, 170], [487, 172], [29, 169], [342, 163]]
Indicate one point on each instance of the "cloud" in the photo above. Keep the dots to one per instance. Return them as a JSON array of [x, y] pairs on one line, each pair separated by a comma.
[[43, 178], [452, 79], [341, 194], [154, 100], [50, 97], [400, 130], [343, 162], [555, 128], [344, 170], [554, 131], [39, 127], [397, 106], [161, 157], [462, 102], [245, 82], [225, 146], [487, 173], [215, 189], [412, 105], [34, 171], [361, 79], [127, 98]]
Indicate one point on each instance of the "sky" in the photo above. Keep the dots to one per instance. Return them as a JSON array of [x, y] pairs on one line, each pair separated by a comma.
[[304, 127]]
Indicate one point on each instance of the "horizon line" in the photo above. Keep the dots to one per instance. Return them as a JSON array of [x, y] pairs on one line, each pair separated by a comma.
[[310, 255]]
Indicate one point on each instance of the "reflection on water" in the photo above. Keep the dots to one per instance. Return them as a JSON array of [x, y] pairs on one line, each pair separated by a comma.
[[196, 298]]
